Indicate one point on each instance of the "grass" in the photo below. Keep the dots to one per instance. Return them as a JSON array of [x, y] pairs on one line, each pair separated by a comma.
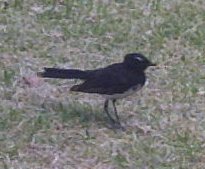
[[43, 125]]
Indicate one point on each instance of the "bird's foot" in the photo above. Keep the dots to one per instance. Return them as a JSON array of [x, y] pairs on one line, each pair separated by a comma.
[[116, 125]]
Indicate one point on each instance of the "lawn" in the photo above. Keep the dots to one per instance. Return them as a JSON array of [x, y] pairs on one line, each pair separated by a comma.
[[45, 126]]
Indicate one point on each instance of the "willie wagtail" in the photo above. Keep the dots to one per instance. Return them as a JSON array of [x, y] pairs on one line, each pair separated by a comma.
[[113, 82]]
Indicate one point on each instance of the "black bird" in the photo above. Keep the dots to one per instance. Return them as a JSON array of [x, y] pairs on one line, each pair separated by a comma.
[[113, 82]]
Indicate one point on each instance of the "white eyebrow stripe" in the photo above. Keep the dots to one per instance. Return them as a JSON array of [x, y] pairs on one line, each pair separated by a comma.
[[138, 58]]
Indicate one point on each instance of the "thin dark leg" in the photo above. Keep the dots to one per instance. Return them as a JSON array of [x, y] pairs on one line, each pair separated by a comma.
[[115, 110], [106, 111]]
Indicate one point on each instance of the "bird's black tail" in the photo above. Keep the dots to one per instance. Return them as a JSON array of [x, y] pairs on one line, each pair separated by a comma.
[[63, 73]]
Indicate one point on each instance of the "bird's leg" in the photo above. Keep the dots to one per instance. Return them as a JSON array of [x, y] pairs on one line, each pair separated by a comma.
[[107, 112], [115, 110]]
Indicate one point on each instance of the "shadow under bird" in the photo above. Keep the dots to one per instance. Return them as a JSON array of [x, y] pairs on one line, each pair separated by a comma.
[[115, 81]]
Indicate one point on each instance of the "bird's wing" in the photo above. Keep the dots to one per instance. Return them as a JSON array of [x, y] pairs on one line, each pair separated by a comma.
[[108, 82]]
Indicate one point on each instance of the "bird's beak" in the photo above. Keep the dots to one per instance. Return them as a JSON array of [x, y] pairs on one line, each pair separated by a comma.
[[152, 64]]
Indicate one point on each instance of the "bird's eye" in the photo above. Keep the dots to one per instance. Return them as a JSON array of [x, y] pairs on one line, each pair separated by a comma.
[[139, 58]]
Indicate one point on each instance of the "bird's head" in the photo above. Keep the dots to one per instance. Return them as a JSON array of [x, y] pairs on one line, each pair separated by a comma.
[[137, 61]]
